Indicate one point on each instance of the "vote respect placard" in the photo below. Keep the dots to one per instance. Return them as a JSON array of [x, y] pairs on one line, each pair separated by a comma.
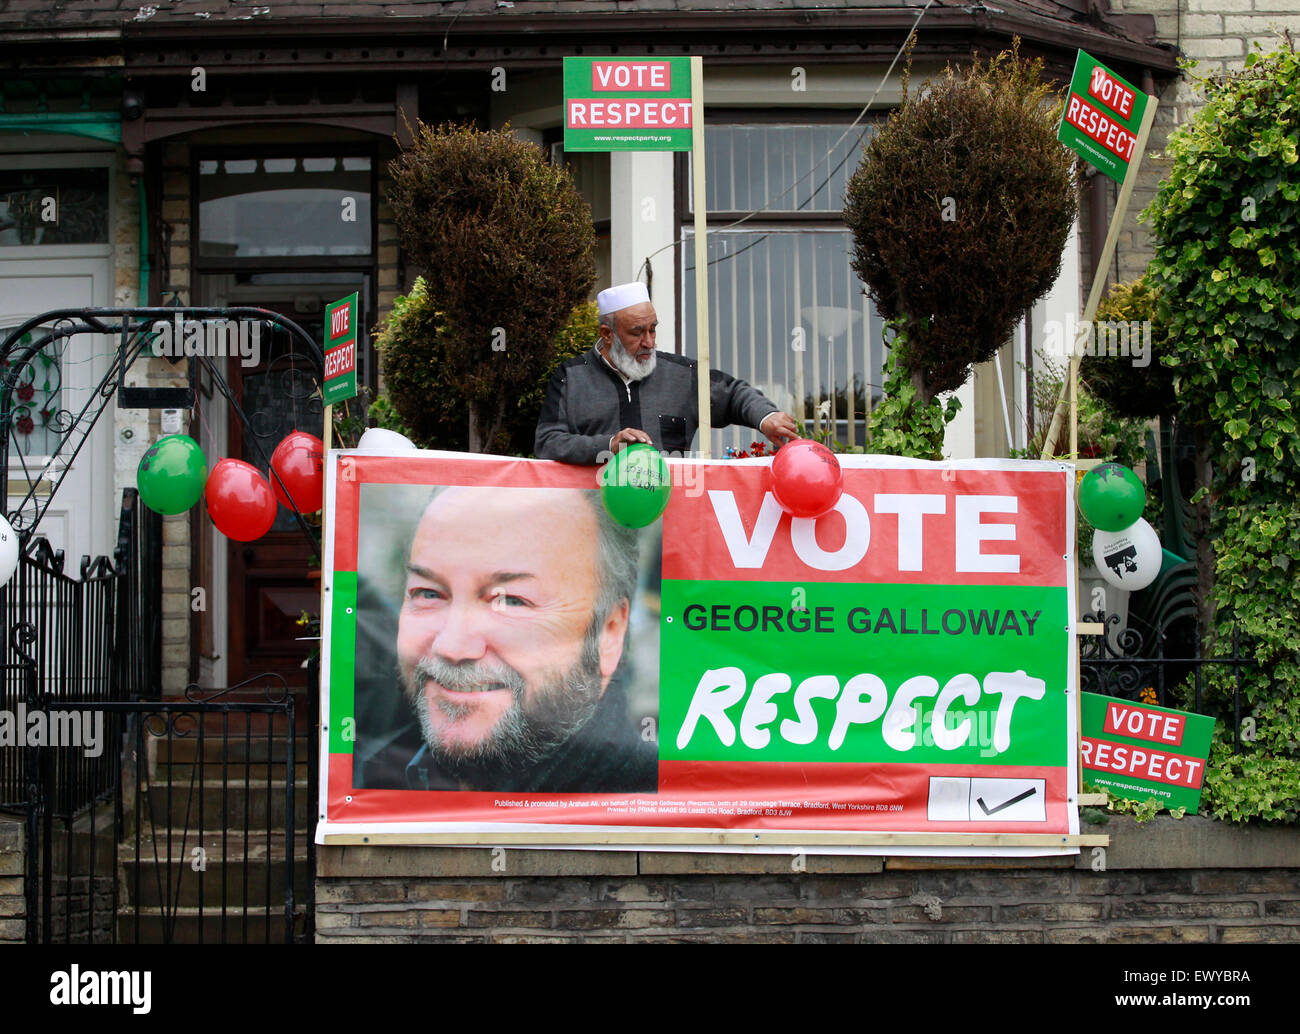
[[1102, 116], [1142, 751], [627, 104], [896, 676], [340, 381]]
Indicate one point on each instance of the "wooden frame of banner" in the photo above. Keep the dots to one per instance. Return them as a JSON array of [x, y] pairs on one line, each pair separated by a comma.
[[703, 399], [506, 838], [1084, 628]]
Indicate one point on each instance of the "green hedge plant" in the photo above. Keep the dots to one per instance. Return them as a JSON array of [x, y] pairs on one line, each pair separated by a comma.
[[960, 210], [507, 247], [1226, 224], [421, 397]]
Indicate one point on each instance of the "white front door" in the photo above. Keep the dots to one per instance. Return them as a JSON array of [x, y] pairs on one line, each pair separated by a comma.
[[55, 389]]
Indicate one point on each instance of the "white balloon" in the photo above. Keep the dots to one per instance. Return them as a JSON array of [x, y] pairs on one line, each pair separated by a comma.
[[1128, 559], [8, 551], [380, 439]]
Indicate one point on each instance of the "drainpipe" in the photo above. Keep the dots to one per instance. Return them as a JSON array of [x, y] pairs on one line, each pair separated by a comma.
[[1097, 221], [133, 142], [144, 268]]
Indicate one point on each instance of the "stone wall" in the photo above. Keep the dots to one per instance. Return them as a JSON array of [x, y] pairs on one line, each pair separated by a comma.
[[174, 281], [13, 906], [1194, 881], [1217, 34]]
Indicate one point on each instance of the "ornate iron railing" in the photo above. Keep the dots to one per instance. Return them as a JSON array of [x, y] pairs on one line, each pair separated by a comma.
[[1136, 663], [202, 839], [90, 637]]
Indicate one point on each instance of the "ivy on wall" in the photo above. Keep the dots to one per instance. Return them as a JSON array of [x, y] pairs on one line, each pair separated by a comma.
[[905, 424], [1226, 223]]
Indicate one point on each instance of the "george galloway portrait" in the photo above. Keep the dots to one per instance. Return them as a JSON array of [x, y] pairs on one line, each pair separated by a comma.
[[500, 646]]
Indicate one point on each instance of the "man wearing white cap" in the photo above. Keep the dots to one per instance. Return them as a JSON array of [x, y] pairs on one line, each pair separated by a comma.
[[624, 391]]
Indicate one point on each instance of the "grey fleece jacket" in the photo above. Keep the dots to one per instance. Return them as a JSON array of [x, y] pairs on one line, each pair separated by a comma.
[[587, 404]]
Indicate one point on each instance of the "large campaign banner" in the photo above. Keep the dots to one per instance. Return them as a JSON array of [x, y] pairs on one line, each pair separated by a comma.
[[504, 664]]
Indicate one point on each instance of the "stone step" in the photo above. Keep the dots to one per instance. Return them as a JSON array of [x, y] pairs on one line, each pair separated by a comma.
[[235, 750], [151, 884], [212, 805], [188, 926], [180, 771]]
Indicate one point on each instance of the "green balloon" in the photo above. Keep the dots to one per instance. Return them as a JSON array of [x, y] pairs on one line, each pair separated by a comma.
[[172, 474], [635, 486], [1111, 497]]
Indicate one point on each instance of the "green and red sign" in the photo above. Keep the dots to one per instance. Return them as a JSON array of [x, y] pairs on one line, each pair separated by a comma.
[[627, 104], [1140, 751], [1101, 118], [902, 665], [340, 350]]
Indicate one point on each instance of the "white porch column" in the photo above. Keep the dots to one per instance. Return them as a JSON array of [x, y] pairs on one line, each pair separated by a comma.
[[959, 436], [641, 223]]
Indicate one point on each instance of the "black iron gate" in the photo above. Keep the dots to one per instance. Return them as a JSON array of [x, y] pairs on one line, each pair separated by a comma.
[[145, 819], [200, 839]]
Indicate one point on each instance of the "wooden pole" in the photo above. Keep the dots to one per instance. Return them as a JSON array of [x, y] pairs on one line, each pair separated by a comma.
[[327, 437], [701, 259], [1069, 388]]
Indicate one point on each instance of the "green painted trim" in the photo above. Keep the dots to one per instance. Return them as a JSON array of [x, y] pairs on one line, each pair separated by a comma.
[[99, 125]]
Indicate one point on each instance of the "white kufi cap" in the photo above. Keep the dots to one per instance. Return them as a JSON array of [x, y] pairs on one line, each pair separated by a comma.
[[612, 299]]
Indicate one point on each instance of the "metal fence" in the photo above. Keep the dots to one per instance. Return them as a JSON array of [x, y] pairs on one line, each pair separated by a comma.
[[202, 839], [119, 784], [147, 820], [95, 637], [1147, 662]]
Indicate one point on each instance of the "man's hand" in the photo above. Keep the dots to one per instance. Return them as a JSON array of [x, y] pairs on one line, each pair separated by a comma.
[[626, 437], [779, 427]]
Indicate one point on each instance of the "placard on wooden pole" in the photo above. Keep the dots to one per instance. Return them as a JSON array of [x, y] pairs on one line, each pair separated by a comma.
[[701, 260], [1098, 110], [1069, 388]]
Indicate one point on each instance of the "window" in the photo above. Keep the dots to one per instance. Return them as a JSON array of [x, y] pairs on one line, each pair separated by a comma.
[[787, 312], [284, 206], [54, 206], [590, 172], [290, 230]]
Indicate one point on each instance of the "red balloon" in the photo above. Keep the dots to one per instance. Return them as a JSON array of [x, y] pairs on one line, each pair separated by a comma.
[[806, 478], [300, 462], [240, 502]]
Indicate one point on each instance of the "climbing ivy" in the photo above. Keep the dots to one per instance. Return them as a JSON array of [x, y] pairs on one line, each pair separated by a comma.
[[1226, 223], [903, 424]]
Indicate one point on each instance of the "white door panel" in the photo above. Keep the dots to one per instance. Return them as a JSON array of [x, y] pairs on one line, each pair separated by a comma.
[[81, 519]]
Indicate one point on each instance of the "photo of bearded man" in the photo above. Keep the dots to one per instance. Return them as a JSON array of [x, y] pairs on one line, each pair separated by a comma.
[[510, 648]]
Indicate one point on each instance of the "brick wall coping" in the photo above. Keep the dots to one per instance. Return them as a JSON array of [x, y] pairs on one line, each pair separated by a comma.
[[1163, 843]]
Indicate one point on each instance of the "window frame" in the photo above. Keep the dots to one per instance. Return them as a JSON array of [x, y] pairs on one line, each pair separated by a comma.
[[366, 265], [777, 220]]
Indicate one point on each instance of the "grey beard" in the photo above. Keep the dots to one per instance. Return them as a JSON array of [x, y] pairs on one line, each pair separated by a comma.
[[626, 365], [522, 738]]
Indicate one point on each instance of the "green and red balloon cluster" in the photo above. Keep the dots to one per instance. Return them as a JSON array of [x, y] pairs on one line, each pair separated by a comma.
[[173, 475]]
